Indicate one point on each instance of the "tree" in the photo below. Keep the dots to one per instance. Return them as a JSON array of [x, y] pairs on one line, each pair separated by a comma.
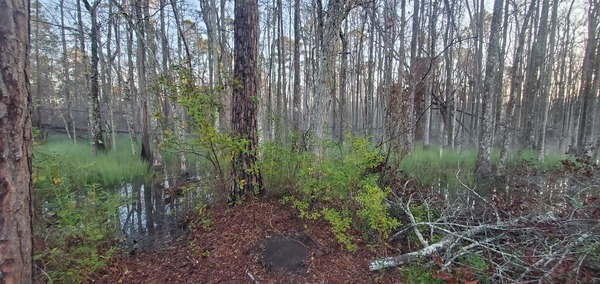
[[97, 136], [586, 90], [16, 243], [484, 166], [244, 171], [515, 85], [296, 97], [330, 22]]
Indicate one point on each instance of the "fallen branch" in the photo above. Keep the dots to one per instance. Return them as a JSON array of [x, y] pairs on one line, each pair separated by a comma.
[[408, 257]]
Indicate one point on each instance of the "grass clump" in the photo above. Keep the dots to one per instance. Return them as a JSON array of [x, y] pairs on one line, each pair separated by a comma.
[[436, 166], [85, 167]]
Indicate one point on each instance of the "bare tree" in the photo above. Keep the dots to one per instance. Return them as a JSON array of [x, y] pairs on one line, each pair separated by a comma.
[[296, 114], [484, 166], [331, 20], [16, 245], [515, 86], [95, 121], [71, 129], [586, 93]]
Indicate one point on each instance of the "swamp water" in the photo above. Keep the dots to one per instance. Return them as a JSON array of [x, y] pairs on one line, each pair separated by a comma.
[[154, 215]]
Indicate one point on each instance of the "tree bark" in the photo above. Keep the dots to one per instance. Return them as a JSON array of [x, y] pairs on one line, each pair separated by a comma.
[[67, 78], [95, 121], [296, 113], [245, 174], [584, 134], [515, 86], [484, 166], [146, 153], [16, 245], [337, 10]]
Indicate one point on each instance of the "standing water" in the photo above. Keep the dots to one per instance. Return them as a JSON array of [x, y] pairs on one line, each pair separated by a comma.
[[154, 213]]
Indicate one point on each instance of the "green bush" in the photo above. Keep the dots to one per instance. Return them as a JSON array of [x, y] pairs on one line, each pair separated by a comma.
[[341, 189], [280, 167]]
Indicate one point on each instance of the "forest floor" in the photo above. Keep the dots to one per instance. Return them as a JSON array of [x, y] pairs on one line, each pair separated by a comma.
[[259, 241]]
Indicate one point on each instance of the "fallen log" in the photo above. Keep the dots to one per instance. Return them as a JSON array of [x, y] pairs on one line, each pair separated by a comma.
[[428, 250]]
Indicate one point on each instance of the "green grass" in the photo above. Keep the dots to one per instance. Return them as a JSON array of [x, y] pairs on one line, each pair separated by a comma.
[[433, 167], [80, 164]]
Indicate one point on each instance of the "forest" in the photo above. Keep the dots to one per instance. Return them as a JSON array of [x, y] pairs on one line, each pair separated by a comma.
[[396, 141]]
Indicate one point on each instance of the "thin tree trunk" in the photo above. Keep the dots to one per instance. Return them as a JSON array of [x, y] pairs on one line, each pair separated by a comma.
[[343, 82], [146, 153], [130, 93], [67, 78], [296, 113], [484, 166], [95, 120], [515, 85], [547, 80]]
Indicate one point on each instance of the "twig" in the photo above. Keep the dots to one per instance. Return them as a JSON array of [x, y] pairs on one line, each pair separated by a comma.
[[251, 276]]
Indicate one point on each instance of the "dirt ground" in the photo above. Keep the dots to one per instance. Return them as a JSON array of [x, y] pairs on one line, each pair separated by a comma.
[[256, 242]]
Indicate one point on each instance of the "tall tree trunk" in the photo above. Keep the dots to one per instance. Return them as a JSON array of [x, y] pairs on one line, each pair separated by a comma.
[[584, 134], [339, 136], [547, 81], [245, 174], [112, 96], [16, 245], [515, 86], [484, 165], [499, 86], [37, 117], [409, 131], [296, 113], [67, 77], [337, 10], [95, 120], [130, 92], [146, 153], [535, 75], [370, 83]]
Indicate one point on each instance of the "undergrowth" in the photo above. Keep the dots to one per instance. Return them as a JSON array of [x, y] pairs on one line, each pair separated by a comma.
[[339, 188], [75, 210]]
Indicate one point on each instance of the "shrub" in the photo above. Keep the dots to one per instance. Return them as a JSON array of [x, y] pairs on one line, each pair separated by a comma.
[[341, 189]]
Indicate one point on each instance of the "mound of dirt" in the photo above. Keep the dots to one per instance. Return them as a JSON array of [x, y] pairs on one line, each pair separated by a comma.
[[279, 253]]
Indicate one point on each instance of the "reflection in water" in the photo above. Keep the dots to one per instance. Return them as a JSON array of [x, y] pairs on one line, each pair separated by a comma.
[[146, 220], [150, 218]]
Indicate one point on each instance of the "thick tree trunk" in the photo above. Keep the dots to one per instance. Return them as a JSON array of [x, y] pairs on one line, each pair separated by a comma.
[[16, 246], [245, 174]]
